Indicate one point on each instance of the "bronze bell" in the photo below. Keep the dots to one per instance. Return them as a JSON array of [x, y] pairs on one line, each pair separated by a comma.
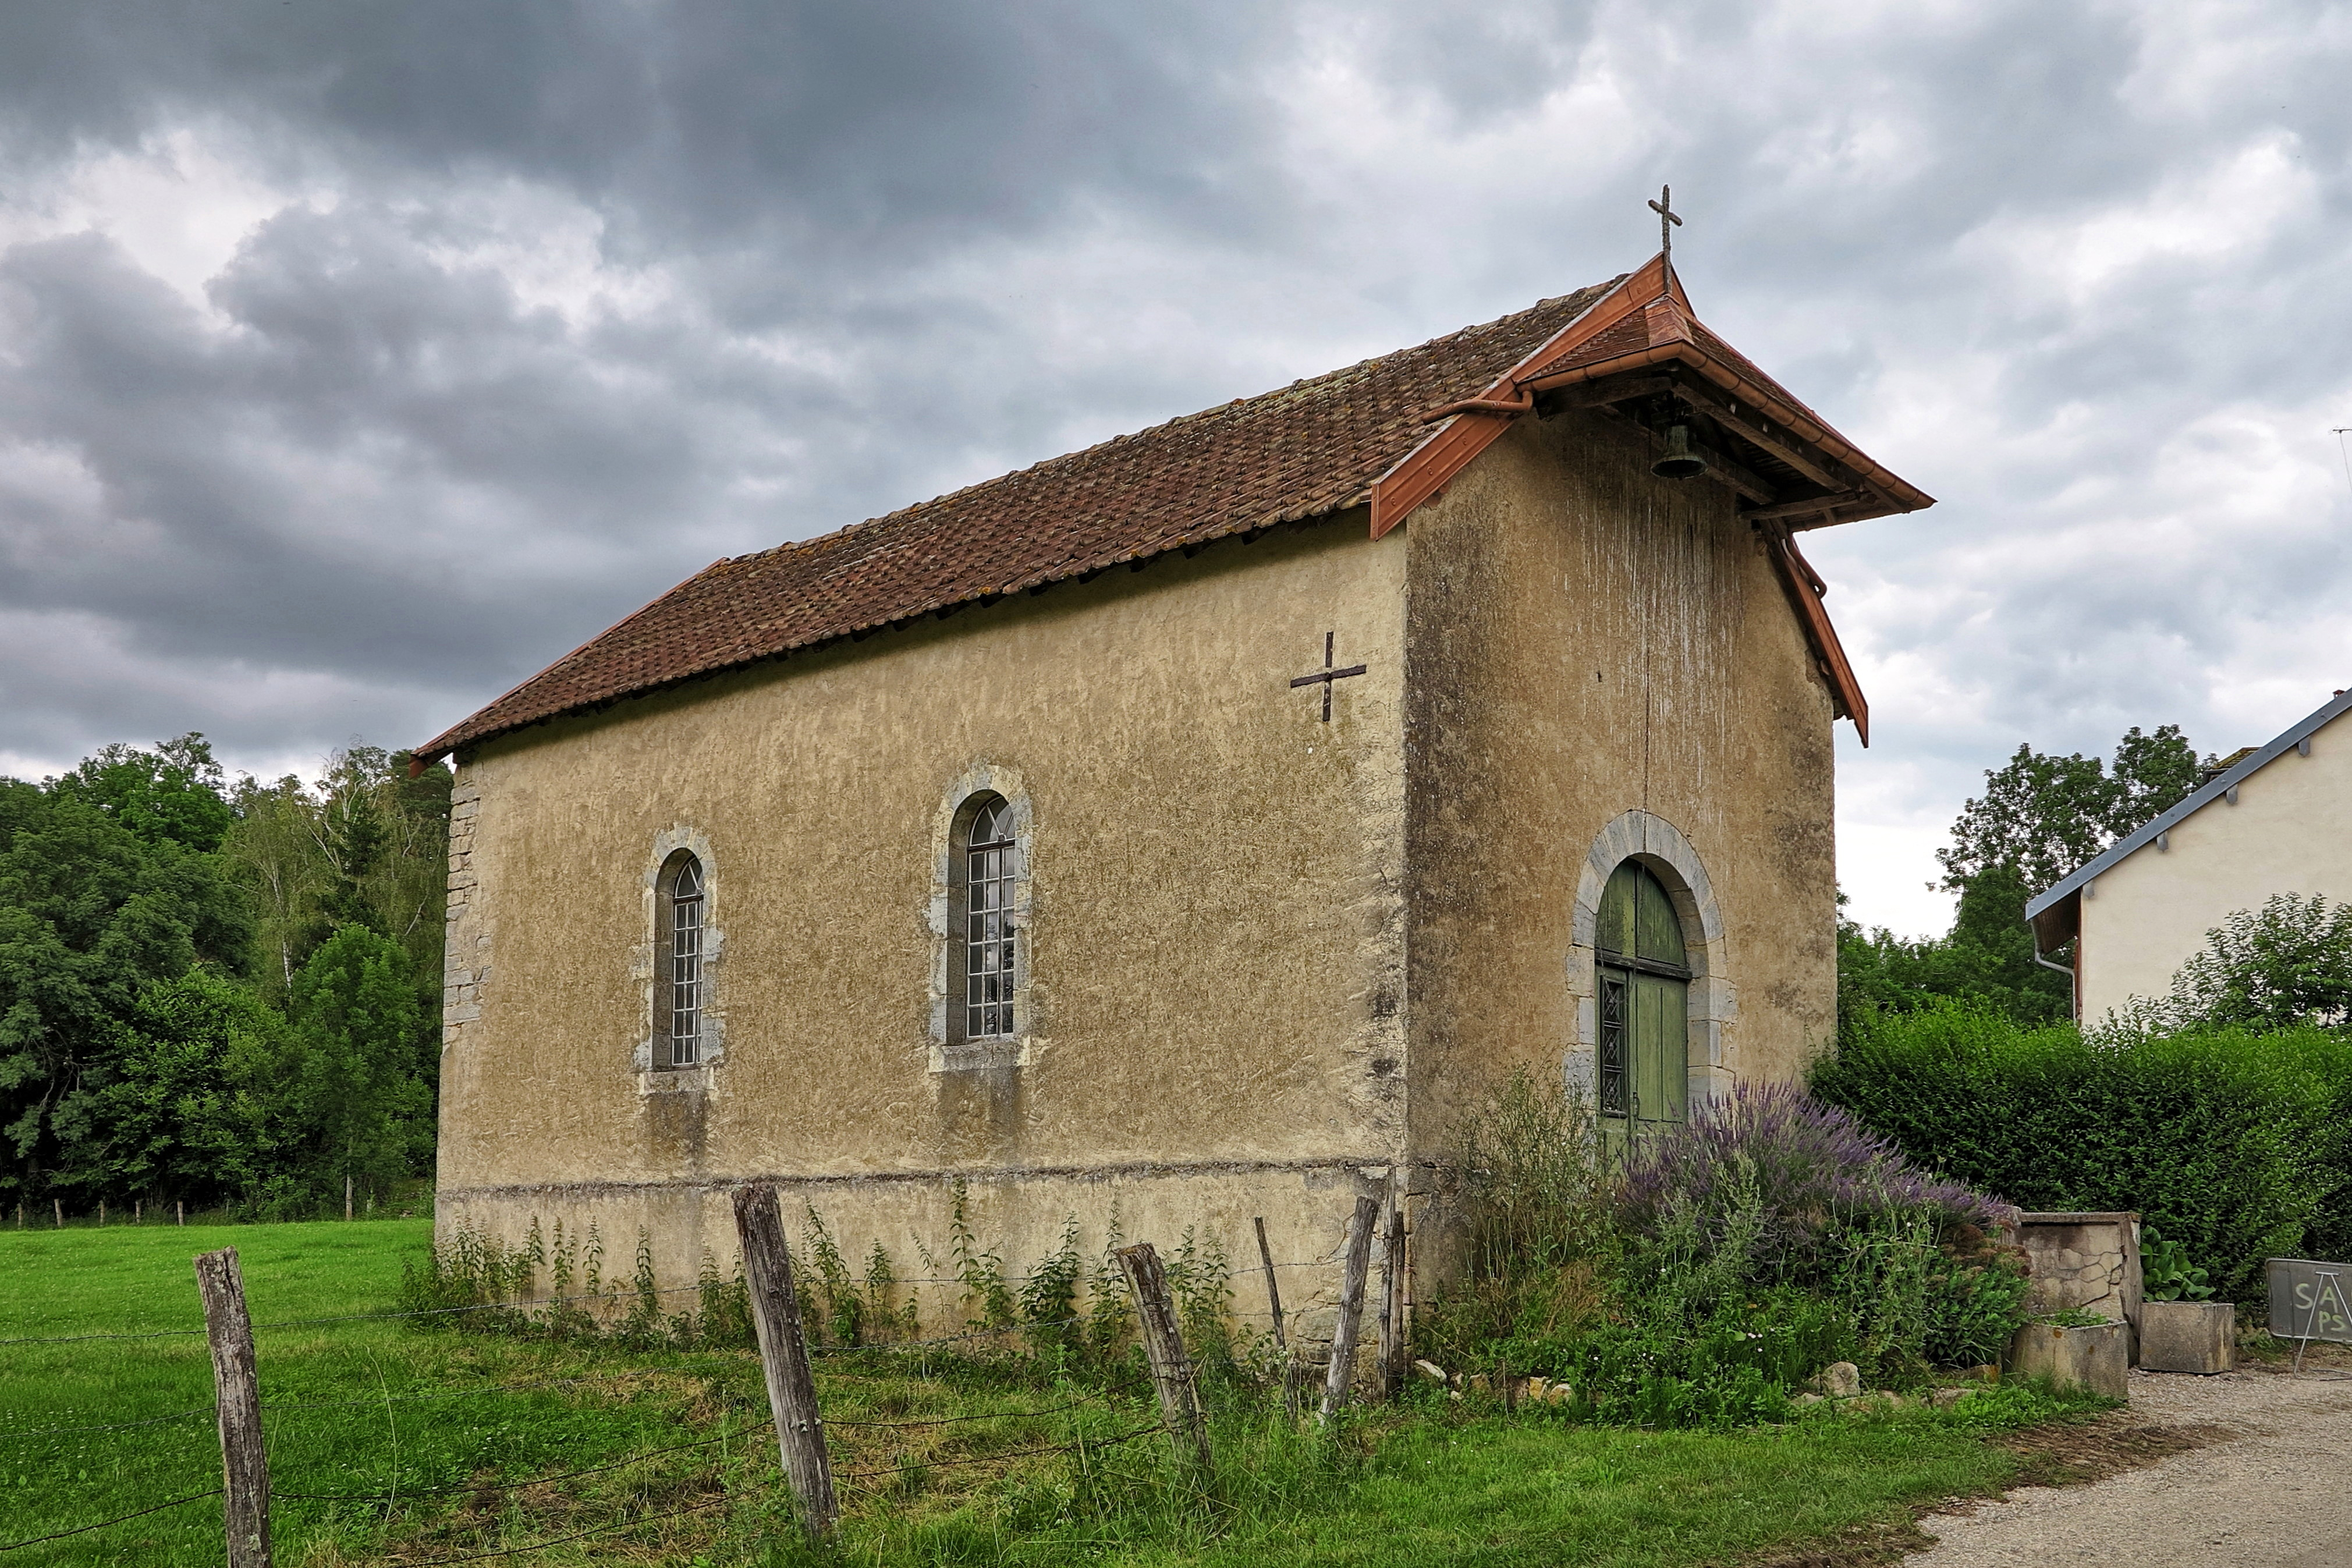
[[1679, 462]]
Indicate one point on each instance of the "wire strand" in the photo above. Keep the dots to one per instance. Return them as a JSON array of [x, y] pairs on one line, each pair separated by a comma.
[[503, 1486], [119, 1518], [8, 1435]]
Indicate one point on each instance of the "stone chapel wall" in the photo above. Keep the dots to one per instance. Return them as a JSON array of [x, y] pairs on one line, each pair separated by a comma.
[[1603, 664], [1213, 1025]]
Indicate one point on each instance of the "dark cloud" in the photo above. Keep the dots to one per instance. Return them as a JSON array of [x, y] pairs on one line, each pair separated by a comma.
[[356, 360]]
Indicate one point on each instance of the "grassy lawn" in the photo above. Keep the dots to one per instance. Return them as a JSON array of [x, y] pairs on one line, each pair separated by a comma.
[[369, 1408]]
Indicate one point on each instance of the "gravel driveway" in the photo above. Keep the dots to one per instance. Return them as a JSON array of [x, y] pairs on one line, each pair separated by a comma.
[[2272, 1489]]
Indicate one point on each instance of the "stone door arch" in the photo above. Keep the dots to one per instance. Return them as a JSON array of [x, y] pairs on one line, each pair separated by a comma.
[[1661, 848]]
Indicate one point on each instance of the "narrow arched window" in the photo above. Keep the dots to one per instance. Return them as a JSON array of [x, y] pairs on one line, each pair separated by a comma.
[[677, 1009], [988, 862], [1644, 1003]]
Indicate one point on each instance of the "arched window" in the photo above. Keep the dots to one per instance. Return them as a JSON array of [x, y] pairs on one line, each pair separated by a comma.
[[1643, 1004], [678, 993], [988, 865]]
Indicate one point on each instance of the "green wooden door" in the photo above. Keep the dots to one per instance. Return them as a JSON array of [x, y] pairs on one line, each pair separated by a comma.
[[1643, 1006]]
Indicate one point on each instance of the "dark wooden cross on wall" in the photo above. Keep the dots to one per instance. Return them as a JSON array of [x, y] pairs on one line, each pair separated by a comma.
[[1326, 675]]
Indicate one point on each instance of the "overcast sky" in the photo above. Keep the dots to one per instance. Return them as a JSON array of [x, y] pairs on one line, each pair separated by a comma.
[[358, 360]]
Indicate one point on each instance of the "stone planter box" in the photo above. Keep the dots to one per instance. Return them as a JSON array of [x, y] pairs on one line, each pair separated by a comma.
[[2187, 1336], [2098, 1358]]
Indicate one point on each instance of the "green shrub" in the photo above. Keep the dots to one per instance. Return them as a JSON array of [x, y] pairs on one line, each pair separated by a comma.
[[2233, 1143]]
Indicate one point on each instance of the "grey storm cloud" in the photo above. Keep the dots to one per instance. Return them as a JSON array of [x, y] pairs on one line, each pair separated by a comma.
[[356, 361]]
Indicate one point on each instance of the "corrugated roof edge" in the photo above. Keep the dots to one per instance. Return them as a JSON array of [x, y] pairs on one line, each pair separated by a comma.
[[2134, 842]]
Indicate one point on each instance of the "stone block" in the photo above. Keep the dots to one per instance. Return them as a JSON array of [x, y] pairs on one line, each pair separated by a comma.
[[2187, 1336], [1840, 1380], [2098, 1358]]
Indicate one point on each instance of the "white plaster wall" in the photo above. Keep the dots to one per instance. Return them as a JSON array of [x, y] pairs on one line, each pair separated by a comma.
[[2291, 832]]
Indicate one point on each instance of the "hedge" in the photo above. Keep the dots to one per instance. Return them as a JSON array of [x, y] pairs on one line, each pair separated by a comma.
[[2238, 1145]]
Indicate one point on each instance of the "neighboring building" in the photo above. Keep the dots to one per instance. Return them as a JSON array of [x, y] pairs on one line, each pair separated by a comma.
[[1176, 824], [2277, 819]]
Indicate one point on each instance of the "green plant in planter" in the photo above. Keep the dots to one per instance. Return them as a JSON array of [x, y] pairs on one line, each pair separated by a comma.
[[2165, 1271]]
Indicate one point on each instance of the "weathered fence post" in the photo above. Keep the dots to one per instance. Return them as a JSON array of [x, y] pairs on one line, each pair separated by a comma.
[[784, 1355], [1337, 1380], [245, 1466], [1163, 1345], [1281, 1335], [182, 1205], [1392, 1315], [347, 1194], [58, 1207]]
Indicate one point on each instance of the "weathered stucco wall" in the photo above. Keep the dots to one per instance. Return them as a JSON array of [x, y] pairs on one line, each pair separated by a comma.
[[1602, 663], [2291, 832], [1215, 936]]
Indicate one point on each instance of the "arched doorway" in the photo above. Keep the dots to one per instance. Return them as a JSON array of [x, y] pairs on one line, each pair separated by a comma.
[[1643, 1006]]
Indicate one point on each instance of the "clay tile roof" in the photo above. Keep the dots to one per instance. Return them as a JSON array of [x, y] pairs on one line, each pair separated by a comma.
[[1307, 450]]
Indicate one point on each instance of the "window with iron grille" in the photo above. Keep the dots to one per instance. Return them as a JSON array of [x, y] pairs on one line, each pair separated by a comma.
[[682, 962], [1613, 1097], [991, 869]]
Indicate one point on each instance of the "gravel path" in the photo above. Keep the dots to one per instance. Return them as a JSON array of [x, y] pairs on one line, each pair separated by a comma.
[[2273, 1491]]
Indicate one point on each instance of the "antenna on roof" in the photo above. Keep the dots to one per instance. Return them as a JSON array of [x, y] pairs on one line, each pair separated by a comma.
[[1669, 220]]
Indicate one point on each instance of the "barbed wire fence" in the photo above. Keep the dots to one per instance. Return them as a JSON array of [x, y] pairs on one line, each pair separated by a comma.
[[784, 1355]]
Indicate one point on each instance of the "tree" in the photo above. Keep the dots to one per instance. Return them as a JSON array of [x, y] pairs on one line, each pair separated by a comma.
[[185, 1107], [2039, 816], [2288, 964], [90, 911], [175, 792], [2042, 816], [358, 1087]]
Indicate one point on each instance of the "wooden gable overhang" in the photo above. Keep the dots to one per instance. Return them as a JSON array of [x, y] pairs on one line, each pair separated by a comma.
[[1641, 357]]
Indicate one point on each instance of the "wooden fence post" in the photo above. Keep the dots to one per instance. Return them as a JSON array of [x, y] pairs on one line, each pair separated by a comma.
[[1393, 1317], [183, 1203], [1163, 1345], [245, 1465], [784, 1355], [1281, 1335], [347, 1194], [58, 1207], [1336, 1382], [1273, 1285]]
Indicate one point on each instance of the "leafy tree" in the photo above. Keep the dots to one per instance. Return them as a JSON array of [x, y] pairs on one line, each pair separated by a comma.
[[274, 847], [2042, 816], [186, 1106], [90, 911], [2039, 816], [358, 1088], [2282, 966], [175, 792]]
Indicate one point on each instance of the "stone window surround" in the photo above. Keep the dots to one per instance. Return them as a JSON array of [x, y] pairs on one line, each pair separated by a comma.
[[652, 1080], [947, 1053], [1661, 846]]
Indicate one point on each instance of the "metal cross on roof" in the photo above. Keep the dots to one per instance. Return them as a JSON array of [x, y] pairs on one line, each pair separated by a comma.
[[1669, 220]]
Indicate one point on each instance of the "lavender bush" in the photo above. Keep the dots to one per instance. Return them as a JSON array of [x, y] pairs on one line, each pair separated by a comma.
[[1777, 1173], [1774, 1189]]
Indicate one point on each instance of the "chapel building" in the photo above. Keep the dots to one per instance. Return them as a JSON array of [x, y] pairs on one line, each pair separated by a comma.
[[1191, 826]]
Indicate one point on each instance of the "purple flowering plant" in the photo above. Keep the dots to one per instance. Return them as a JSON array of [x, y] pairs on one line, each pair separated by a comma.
[[1780, 1175]]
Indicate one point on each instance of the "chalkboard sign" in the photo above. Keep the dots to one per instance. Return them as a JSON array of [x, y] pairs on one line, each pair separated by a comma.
[[2311, 1301]]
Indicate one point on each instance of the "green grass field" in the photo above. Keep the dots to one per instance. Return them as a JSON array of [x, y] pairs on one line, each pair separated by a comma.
[[378, 1408]]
